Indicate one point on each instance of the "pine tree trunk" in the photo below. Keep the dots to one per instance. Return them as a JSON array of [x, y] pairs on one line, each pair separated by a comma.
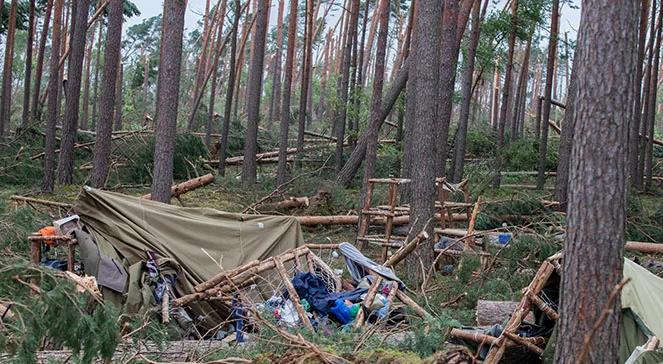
[[642, 120], [593, 253], [424, 79], [200, 62], [97, 68], [104, 128], [48, 179], [215, 76], [287, 93], [227, 109], [254, 89], [306, 75], [378, 82], [27, 81], [117, 114], [170, 60], [39, 71], [72, 101], [547, 94], [274, 107], [648, 151], [86, 84], [6, 95], [466, 96], [521, 89], [146, 81], [342, 91], [566, 144]]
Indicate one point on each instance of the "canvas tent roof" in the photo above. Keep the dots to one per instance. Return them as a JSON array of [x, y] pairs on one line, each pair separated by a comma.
[[197, 239]]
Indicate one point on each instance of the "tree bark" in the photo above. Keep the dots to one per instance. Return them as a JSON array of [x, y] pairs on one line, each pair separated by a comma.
[[594, 245], [466, 96], [565, 145], [86, 84], [342, 92], [117, 114], [6, 95], [521, 89], [306, 76], [274, 107], [547, 94], [227, 109], [254, 87], [448, 62], [648, 151], [376, 103], [27, 80], [215, 76], [506, 90], [424, 79], [170, 61], [39, 71], [48, 180], [634, 128], [104, 127], [287, 93], [73, 87], [97, 68]]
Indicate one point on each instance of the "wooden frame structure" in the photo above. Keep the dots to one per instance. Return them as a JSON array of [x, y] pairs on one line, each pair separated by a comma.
[[530, 300], [36, 240]]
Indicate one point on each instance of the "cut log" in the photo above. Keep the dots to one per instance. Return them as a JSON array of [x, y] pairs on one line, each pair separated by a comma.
[[318, 135], [404, 251], [648, 248], [184, 187], [480, 338], [491, 313]]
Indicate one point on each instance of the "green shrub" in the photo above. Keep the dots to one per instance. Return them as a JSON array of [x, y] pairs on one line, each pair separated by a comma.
[[523, 155], [480, 142]]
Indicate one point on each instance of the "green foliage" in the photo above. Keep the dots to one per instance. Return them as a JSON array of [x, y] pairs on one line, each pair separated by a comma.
[[428, 336], [17, 224], [644, 219], [57, 314], [480, 143], [189, 151], [523, 155], [493, 215]]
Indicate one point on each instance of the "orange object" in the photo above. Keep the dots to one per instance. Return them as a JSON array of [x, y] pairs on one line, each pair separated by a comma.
[[48, 231]]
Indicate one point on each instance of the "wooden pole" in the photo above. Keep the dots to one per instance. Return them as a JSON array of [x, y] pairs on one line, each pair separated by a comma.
[[294, 297], [184, 187]]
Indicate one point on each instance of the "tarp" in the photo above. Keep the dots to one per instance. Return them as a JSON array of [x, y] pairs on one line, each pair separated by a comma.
[[359, 265], [200, 240]]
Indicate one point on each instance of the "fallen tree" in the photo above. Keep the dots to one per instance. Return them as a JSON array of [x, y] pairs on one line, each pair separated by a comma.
[[354, 219], [186, 186]]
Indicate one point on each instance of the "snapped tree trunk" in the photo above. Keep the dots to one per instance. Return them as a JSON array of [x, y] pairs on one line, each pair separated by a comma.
[[593, 253], [72, 103], [170, 60]]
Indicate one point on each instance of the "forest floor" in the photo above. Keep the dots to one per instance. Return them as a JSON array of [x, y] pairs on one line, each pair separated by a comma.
[[451, 297]]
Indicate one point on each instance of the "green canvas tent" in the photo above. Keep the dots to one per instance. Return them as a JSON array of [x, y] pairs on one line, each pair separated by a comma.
[[195, 243]]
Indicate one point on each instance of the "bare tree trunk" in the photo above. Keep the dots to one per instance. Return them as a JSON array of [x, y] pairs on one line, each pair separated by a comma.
[[97, 67], [642, 120], [201, 61], [215, 76], [648, 151], [506, 90], [547, 94], [227, 109], [146, 81], [424, 79], [566, 144], [306, 75], [39, 71], [593, 253], [494, 98], [634, 128], [378, 82], [72, 101], [27, 81], [287, 93], [117, 114], [274, 107], [521, 89], [86, 84], [104, 128], [254, 92], [6, 95], [466, 96], [355, 100], [48, 180], [170, 61], [342, 91]]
